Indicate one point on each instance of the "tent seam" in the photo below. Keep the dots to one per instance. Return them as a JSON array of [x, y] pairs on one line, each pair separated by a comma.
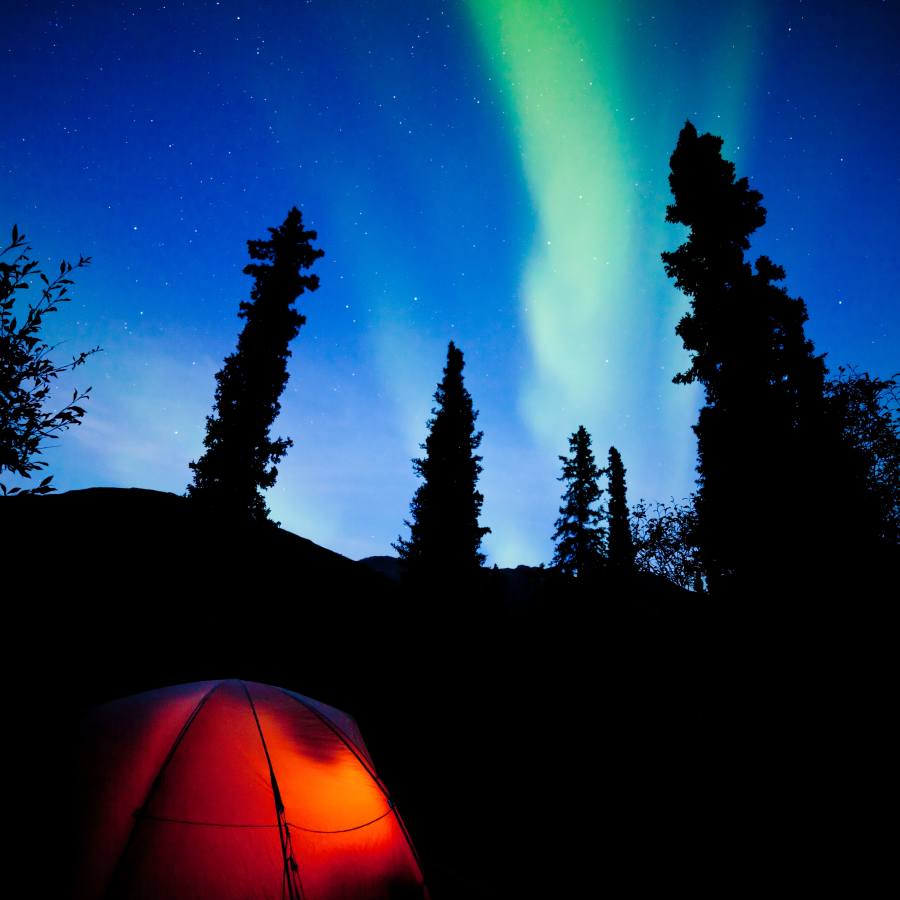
[[196, 822], [370, 770], [357, 753], [287, 850], [139, 812]]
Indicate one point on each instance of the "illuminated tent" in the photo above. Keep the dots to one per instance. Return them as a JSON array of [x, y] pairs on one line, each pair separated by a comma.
[[228, 789]]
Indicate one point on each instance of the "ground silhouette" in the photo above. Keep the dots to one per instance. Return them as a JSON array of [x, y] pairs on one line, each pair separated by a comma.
[[546, 734]]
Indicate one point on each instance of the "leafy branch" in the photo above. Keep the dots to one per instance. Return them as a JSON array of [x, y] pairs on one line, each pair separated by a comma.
[[27, 373]]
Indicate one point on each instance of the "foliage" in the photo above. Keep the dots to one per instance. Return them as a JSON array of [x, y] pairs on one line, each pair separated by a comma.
[[580, 538], [241, 459], [27, 374], [621, 546], [761, 432], [445, 537], [664, 538], [868, 410]]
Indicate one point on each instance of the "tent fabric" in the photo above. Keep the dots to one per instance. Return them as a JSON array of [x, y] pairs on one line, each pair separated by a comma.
[[233, 789]]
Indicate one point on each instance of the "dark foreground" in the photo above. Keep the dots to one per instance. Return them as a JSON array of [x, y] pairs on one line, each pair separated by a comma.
[[538, 740]]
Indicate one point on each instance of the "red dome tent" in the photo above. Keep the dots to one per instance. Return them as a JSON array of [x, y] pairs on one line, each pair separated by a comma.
[[227, 789]]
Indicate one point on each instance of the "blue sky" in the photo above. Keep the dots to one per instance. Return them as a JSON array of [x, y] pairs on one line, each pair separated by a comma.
[[490, 173]]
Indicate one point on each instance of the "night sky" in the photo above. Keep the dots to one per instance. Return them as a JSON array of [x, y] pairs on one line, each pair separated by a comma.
[[492, 172]]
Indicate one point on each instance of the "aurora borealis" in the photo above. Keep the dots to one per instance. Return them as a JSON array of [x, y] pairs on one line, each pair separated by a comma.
[[488, 172]]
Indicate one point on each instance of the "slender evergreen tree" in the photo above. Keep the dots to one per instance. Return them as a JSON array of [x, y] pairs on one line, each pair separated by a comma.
[[760, 432], [241, 458], [580, 538], [621, 546], [445, 537]]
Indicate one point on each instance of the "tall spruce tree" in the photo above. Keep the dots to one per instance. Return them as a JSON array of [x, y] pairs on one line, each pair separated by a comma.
[[445, 537], [621, 546], [760, 432], [241, 458], [580, 538]]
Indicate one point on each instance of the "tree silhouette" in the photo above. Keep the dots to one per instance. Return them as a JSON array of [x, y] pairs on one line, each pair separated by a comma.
[[241, 459], [867, 409], [621, 547], [445, 536], [664, 539], [27, 374], [580, 537], [761, 432]]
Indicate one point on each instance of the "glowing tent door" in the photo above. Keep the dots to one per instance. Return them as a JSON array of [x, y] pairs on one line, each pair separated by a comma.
[[236, 789]]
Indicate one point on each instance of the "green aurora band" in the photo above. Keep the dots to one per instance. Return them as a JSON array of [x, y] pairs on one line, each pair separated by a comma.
[[561, 83], [594, 121]]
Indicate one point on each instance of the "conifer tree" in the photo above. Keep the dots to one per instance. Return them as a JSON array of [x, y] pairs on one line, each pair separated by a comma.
[[241, 458], [760, 431], [445, 537], [580, 538], [621, 546]]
